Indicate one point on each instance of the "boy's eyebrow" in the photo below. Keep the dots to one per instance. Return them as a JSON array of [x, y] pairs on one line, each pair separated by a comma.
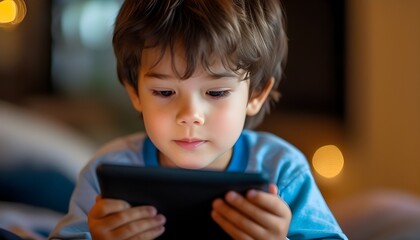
[[224, 75], [212, 75], [157, 75]]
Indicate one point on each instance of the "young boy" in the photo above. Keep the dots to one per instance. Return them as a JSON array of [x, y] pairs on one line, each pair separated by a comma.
[[199, 72]]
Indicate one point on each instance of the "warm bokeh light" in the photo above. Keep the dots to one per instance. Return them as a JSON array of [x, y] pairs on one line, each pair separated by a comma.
[[328, 161], [8, 11], [12, 12]]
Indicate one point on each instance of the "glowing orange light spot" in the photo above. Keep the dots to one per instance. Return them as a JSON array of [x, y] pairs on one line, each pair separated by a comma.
[[328, 161], [12, 12], [8, 11]]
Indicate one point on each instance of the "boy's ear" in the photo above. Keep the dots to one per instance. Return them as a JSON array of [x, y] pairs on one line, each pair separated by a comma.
[[257, 100], [134, 96]]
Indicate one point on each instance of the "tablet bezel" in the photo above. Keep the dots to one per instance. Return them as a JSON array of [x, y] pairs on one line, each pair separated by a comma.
[[184, 196]]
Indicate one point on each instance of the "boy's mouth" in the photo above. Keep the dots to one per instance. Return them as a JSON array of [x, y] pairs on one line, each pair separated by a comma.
[[190, 144]]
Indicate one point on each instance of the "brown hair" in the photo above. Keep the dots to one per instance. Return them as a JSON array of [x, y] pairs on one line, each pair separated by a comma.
[[248, 35]]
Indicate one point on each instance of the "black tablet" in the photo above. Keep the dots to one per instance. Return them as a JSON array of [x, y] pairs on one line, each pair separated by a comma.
[[183, 196]]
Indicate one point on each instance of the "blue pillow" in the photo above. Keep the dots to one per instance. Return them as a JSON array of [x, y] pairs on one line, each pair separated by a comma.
[[37, 186]]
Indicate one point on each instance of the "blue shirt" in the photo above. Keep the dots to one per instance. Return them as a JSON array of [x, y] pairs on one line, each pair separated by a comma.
[[253, 152]]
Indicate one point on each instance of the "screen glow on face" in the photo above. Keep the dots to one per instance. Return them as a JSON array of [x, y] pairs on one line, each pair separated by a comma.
[[193, 122]]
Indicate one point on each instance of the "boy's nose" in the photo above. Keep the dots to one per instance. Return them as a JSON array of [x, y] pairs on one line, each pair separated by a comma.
[[190, 114]]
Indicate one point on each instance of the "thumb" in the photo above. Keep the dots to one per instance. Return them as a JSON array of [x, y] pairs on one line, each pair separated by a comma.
[[272, 188]]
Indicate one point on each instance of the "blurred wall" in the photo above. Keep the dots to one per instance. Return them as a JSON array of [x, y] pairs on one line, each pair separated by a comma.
[[25, 54], [383, 90]]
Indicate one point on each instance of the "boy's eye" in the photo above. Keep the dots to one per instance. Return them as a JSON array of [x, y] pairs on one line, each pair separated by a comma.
[[164, 93], [218, 94]]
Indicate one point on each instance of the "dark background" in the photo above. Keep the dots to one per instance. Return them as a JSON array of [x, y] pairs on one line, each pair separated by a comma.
[[314, 76]]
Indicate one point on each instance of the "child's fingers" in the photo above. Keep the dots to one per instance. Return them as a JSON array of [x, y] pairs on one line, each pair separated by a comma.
[[232, 222], [273, 189], [228, 227], [116, 220], [150, 234], [146, 228], [275, 214], [270, 202], [125, 223], [104, 207], [112, 213], [263, 218]]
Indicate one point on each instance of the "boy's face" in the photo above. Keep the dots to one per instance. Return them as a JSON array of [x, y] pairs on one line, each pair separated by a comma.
[[195, 122]]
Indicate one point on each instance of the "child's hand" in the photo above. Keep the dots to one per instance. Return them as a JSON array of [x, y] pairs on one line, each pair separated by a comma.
[[115, 219], [259, 215]]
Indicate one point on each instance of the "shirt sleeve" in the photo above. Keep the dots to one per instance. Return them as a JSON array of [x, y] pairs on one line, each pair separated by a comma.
[[311, 217], [74, 224]]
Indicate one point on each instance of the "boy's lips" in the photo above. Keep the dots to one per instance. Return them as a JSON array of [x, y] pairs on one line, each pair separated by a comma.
[[190, 144]]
